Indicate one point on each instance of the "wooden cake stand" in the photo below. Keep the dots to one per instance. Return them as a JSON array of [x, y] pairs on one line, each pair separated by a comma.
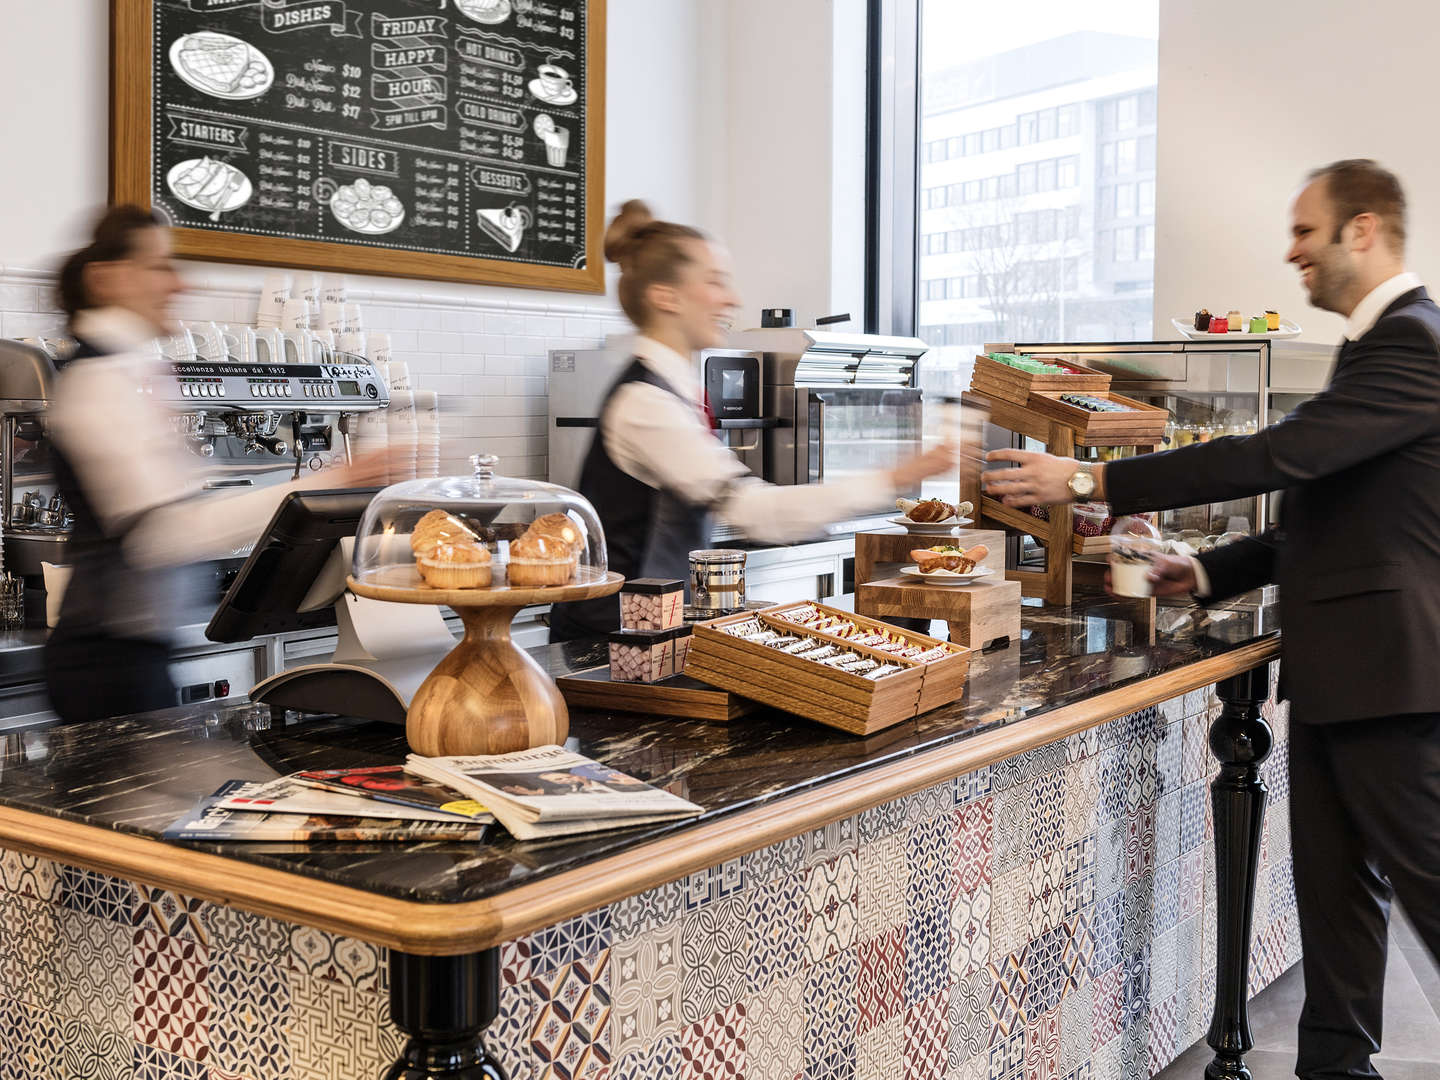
[[487, 696]]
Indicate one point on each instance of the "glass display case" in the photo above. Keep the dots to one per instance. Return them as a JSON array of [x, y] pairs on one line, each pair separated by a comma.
[[1210, 390]]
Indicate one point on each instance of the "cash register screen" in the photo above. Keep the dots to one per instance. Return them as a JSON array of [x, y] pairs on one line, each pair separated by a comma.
[[291, 552]]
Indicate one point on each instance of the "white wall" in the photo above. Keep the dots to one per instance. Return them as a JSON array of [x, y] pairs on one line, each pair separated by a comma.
[[1253, 96], [784, 112], [483, 348]]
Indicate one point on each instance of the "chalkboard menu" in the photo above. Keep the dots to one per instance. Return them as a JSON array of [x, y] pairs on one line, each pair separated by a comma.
[[454, 139]]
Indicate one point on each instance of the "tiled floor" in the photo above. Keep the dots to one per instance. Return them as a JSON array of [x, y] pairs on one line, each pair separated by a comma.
[[1412, 1019]]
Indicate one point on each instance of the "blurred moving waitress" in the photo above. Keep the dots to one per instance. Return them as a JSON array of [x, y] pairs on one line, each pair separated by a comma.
[[139, 518], [655, 471]]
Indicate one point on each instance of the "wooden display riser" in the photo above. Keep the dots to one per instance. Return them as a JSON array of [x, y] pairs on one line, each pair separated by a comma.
[[880, 552], [679, 695], [977, 615], [1055, 584]]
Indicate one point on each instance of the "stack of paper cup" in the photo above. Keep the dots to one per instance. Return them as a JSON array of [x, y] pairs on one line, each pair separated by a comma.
[[396, 374], [332, 317], [332, 290], [307, 288], [401, 428], [352, 318], [380, 351], [369, 434], [427, 433], [295, 315], [351, 343], [273, 294]]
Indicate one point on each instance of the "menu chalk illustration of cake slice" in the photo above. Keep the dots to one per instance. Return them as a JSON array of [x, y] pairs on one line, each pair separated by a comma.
[[505, 225], [216, 187], [367, 208], [489, 12], [221, 66]]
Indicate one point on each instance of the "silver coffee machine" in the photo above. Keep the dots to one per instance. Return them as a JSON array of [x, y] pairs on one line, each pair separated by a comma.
[[246, 425]]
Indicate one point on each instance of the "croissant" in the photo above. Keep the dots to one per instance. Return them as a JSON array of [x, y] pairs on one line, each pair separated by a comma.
[[930, 510]]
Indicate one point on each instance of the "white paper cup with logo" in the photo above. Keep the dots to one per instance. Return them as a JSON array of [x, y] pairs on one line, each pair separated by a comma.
[[351, 343], [332, 317], [273, 293], [308, 287], [296, 315], [353, 319], [380, 350], [397, 375], [332, 290], [1135, 544]]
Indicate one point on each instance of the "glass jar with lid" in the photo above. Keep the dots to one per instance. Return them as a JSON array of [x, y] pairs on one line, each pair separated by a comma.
[[483, 531]]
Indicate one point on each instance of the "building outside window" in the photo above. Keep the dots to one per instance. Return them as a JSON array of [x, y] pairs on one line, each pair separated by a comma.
[[1055, 107]]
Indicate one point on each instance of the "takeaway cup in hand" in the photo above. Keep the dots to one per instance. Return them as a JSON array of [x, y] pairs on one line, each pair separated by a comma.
[[1134, 545]]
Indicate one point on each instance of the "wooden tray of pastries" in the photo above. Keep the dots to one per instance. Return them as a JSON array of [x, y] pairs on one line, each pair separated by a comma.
[[832, 666], [1000, 380], [1097, 415]]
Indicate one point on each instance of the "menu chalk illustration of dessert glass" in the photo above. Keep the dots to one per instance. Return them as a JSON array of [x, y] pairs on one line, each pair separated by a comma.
[[433, 127]]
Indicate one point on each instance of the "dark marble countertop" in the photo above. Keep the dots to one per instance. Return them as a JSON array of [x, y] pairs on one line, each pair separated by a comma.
[[139, 774]]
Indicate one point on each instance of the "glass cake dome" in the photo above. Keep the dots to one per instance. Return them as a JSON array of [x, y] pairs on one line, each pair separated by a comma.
[[479, 532]]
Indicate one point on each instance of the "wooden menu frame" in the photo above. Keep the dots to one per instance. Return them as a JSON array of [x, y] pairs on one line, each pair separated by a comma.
[[131, 109]]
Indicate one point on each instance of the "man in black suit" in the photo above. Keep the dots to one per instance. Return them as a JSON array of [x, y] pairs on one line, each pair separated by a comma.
[[1357, 559]]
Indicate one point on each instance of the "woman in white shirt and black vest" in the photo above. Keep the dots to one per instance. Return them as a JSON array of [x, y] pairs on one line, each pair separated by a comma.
[[655, 471], [129, 483]]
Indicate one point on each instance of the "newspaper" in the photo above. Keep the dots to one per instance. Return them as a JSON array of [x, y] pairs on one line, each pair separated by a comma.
[[287, 795], [549, 791]]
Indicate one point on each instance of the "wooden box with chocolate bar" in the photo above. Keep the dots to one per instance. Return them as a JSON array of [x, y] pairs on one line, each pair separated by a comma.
[[1014, 378], [828, 665], [1103, 414]]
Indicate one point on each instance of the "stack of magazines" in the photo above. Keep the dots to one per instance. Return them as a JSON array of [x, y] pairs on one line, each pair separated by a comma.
[[549, 791], [543, 792]]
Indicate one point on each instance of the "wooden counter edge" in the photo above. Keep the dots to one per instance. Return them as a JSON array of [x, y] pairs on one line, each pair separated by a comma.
[[444, 929]]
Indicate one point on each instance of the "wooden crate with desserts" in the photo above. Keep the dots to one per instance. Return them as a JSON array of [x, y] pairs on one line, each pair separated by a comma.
[[828, 665], [1101, 415], [1011, 377]]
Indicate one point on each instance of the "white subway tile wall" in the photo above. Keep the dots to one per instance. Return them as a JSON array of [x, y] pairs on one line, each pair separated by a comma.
[[486, 359]]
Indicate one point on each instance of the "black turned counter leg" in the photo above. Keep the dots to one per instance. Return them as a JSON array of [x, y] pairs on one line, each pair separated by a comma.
[[1241, 740], [444, 1003]]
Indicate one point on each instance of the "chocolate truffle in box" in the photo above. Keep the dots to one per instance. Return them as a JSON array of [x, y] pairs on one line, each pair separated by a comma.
[[652, 604], [641, 655]]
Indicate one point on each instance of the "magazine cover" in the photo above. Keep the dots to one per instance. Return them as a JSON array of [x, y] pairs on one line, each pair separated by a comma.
[[550, 791], [392, 783], [209, 821], [287, 795]]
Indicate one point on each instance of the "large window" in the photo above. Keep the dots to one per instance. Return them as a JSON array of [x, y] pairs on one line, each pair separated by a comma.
[[1035, 211]]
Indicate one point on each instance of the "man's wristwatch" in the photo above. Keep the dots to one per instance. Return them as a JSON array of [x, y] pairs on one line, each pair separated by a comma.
[[1081, 483]]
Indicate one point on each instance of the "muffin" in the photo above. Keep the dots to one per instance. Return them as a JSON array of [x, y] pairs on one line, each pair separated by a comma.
[[438, 527], [557, 527], [455, 566], [536, 559]]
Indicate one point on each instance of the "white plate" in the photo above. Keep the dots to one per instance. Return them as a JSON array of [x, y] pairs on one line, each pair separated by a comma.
[[472, 10], [1287, 329], [236, 194], [254, 55], [947, 577], [933, 527], [367, 229], [568, 96]]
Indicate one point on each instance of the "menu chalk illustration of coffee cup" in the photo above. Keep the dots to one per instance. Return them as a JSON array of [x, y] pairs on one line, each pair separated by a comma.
[[221, 66], [552, 85]]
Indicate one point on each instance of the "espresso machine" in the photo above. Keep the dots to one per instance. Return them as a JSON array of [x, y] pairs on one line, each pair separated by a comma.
[[245, 425]]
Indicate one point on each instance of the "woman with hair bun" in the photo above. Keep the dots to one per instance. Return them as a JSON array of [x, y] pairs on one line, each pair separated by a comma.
[[655, 471], [129, 483]]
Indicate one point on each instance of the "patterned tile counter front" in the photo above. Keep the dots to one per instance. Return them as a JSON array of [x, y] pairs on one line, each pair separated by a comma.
[[1049, 916]]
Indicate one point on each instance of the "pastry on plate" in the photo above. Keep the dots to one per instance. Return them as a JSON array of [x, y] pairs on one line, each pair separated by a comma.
[[949, 557], [926, 511], [1272, 320], [457, 565], [1202, 319], [536, 559]]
